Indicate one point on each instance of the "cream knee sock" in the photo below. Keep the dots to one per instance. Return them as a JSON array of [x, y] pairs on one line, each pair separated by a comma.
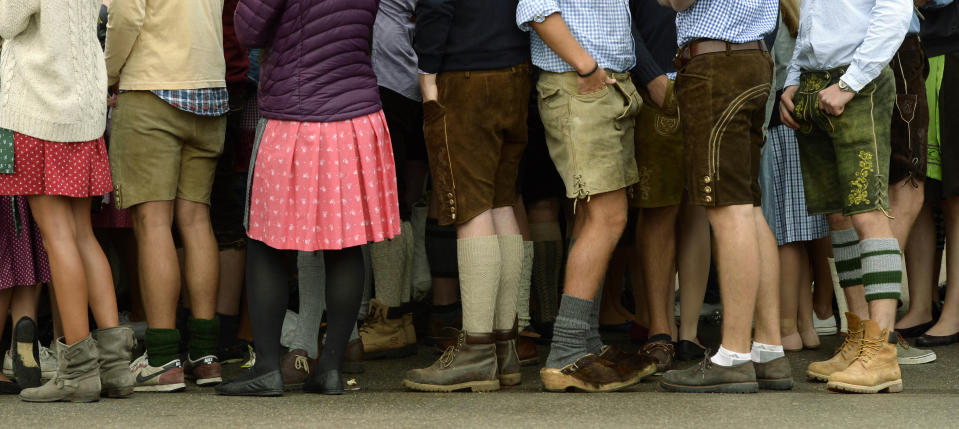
[[479, 261], [522, 296], [511, 271]]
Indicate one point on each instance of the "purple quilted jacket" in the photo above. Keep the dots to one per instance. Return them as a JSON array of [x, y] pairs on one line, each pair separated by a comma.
[[316, 66]]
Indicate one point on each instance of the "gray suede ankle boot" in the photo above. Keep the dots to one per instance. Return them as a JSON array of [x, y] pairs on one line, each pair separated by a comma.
[[77, 379], [115, 346]]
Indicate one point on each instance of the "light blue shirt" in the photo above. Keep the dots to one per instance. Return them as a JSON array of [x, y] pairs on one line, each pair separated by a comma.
[[602, 27], [933, 4], [861, 34], [733, 21]]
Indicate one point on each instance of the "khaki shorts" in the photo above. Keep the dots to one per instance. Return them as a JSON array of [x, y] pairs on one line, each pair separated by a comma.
[[590, 137], [659, 154], [161, 153], [476, 134]]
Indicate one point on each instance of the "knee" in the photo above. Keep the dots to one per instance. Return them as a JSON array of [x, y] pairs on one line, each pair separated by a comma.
[[871, 224], [838, 222]]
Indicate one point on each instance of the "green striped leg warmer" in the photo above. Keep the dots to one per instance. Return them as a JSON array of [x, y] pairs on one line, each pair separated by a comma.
[[845, 249], [881, 268]]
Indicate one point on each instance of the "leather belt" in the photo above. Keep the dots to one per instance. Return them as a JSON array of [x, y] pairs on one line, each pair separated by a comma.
[[707, 46]]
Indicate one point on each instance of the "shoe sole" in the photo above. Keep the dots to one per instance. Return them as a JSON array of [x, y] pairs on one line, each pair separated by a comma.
[[402, 352], [558, 382], [163, 388], [917, 360], [264, 393], [118, 392], [529, 361], [775, 383], [510, 379], [748, 387], [475, 386], [815, 376], [894, 386], [86, 398], [212, 381]]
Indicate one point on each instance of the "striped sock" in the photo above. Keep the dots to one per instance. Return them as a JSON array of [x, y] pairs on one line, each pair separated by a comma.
[[881, 268], [845, 249]]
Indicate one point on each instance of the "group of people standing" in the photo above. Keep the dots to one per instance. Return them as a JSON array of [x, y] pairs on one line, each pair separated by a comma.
[[249, 135]]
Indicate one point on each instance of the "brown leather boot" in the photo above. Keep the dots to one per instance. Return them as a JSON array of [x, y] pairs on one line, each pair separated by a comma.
[[876, 368], [844, 356], [526, 349], [507, 358], [469, 364], [353, 359]]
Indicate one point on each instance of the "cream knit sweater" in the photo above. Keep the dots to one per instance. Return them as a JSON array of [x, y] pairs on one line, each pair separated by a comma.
[[53, 79]]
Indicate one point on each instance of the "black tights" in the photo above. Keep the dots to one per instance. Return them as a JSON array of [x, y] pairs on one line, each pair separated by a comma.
[[268, 295]]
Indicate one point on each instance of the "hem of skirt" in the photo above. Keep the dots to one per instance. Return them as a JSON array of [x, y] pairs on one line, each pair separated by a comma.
[[60, 194], [345, 245]]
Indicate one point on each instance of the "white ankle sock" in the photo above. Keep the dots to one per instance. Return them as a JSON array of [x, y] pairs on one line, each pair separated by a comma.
[[762, 353], [726, 357]]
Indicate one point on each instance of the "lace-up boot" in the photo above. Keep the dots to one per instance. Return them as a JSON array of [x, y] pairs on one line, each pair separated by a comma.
[[844, 356], [468, 364], [876, 367]]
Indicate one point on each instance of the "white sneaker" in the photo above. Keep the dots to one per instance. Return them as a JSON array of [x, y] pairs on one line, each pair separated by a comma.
[[825, 326], [48, 364]]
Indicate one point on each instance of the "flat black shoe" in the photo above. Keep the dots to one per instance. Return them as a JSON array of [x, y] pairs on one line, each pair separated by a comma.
[[688, 350], [251, 384], [26, 354], [916, 331], [9, 388], [936, 341], [325, 383]]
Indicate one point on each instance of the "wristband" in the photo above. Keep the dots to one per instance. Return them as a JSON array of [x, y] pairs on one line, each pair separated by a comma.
[[591, 72]]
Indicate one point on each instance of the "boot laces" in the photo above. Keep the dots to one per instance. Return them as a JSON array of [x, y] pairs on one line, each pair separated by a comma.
[[848, 342], [371, 321], [869, 348], [447, 358], [705, 364], [301, 363]]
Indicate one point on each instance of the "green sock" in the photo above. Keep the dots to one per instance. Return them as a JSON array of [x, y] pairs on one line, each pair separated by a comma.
[[203, 333], [163, 346]]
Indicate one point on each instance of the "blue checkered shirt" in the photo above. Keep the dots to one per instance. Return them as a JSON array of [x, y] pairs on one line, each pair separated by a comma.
[[602, 27], [203, 102], [733, 21]]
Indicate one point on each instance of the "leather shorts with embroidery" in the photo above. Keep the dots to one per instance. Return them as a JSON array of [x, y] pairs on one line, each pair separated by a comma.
[[659, 152], [845, 158]]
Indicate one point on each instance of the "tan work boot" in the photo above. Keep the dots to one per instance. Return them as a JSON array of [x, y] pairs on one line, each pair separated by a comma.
[[383, 337], [876, 368], [409, 329], [469, 364], [844, 356], [507, 357], [77, 379], [115, 347]]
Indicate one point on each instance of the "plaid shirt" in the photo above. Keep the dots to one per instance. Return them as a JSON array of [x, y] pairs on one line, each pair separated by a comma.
[[733, 21], [203, 102], [602, 27]]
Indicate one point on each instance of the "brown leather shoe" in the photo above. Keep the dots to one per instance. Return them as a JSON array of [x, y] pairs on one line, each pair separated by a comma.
[[589, 373], [296, 367], [638, 362], [774, 375], [507, 358], [526, 349], [470, 364], [662, 353], [876, 367], [708, 377], [844, 356]]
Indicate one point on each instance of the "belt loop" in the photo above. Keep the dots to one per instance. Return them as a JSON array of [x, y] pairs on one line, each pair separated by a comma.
[[467, 75], [729, 49]]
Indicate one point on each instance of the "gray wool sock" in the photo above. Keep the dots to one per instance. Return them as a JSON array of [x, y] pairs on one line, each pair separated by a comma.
[[594, 342], [312, 286], [569, 332]]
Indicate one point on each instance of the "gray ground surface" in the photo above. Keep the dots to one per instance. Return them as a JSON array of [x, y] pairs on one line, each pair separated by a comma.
[[931, 400]]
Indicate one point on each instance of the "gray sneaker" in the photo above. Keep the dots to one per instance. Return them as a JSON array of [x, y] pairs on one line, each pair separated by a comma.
[[909, 355]]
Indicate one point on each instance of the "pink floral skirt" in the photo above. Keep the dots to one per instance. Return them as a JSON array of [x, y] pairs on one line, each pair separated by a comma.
[[324, 185]]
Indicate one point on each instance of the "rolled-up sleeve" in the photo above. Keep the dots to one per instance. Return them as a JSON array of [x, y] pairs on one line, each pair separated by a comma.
[[888, 25], [534, 10], [434, 18]]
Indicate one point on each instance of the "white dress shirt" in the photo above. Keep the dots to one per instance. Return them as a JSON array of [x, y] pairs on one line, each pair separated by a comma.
[[861, 34]]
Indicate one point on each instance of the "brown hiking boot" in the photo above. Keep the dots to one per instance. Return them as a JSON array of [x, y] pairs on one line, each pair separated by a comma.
[[507, 358], [469, 364], [526, 349], [708, 377], [296, 367], [639, 362], [774, 375], [383, 337], [662, 353], [876, 368], [353, 358], [589, 373], [844, 356]]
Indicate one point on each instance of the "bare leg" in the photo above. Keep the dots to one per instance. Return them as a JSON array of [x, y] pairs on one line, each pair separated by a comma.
[[789, 262], [103, 298], [23, 303], [948, 323], [767, 296], [603, 219], [656, 246], [738, 258], [611, 311], [905, 202], [202, 264], [232, 263], [819, 254], [923, 277], [157, 262], [804, 323], [693, 259]]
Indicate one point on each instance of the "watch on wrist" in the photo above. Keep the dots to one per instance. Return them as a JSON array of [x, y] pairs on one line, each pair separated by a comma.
[[845, 87]]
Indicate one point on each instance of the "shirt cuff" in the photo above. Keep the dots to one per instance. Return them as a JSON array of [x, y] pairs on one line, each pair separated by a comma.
[[792, 79], [534, 10], [855, 78]]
